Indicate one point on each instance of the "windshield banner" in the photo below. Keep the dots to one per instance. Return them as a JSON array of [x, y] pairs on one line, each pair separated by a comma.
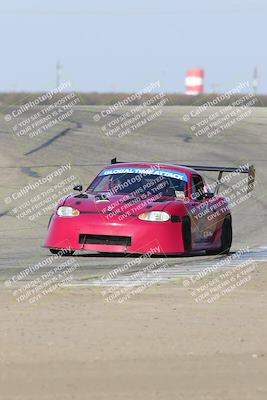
[[168, 173]]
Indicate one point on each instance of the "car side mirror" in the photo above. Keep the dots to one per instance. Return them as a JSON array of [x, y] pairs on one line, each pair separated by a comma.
[[207, 196], [78, 187]]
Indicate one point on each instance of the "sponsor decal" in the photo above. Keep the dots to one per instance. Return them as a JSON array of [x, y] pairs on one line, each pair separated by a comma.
[[168, 173]]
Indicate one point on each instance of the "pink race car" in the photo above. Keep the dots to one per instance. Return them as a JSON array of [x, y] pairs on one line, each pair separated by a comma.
[[136, 207]]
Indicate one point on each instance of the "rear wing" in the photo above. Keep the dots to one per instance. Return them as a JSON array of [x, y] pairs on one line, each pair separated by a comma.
[[250, 170]]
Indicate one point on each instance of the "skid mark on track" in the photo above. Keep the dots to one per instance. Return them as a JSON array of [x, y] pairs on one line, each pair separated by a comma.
[[30, 172], [78, 125]]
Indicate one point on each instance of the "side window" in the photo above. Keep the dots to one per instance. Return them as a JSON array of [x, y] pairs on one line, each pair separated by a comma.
[[180, 187], [197, 187]]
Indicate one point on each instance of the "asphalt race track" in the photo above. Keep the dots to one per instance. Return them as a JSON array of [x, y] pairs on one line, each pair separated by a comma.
[[82, 142]]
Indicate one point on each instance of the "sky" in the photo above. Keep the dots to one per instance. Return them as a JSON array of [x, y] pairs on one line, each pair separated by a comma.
[[124, 45]]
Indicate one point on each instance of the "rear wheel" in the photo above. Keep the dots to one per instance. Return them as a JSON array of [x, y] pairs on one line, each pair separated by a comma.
[[62, 252], [226, 238], [187, 239]]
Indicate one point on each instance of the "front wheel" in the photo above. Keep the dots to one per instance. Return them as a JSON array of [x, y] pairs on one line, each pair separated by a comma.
[[226, 238], [62, 252]]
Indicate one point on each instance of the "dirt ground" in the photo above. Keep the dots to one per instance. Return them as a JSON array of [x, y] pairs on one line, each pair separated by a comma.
[[160, 344]]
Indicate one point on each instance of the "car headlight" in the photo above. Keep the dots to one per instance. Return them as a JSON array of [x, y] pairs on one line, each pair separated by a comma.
[[65, 211], [155, 216]]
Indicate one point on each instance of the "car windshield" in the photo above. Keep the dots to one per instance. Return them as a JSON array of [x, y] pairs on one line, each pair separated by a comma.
[[137, 184]]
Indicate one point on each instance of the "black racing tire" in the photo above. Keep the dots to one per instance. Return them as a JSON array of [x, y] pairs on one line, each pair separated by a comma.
[[65, 253], [187, 237], [227, 235], [226, 238]]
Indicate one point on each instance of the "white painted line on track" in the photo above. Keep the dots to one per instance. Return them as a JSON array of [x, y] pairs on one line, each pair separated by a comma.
[[258, 254]]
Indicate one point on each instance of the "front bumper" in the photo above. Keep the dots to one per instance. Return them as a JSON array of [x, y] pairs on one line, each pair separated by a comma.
[[162, 237]]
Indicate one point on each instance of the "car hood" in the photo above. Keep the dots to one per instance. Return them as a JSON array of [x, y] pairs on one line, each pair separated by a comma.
[[116, 203]]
